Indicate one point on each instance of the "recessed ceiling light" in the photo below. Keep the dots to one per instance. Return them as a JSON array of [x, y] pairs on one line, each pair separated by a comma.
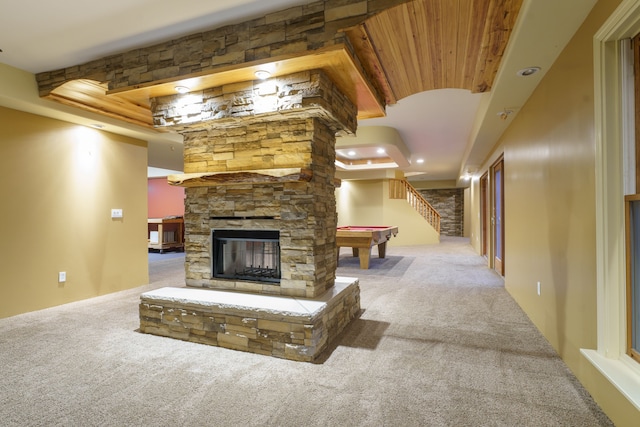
[[525, 72], [182, 89], [380, 151], [420, 161], [351, 153], [262, 74]]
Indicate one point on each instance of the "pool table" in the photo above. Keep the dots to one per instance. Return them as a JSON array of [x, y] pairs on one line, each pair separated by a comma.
[[362, 238]]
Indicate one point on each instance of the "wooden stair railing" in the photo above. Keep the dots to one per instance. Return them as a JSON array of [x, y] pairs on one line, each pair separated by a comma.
[[401, 189]]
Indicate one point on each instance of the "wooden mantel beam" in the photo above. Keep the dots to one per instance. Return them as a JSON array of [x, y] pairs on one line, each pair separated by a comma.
[[261, 176]]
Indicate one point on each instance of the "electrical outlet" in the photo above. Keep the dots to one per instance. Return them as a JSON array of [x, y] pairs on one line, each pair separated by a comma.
[[116, 213], [538, 288], [62, 277]]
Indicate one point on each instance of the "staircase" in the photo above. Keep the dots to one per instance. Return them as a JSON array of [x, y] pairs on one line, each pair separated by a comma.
[[401, 189]]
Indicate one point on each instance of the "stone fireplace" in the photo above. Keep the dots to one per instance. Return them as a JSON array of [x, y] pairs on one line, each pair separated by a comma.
[[260, 217], [301, 206]]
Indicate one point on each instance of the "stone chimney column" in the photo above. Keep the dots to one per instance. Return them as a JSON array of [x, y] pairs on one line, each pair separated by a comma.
[[260, 155]]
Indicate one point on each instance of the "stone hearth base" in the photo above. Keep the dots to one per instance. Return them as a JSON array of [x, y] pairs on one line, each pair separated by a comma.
[[286, 327]]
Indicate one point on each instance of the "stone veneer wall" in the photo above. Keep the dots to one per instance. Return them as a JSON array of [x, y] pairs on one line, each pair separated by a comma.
[[301, 337], [450, 205], [304, 212], [300, 95]]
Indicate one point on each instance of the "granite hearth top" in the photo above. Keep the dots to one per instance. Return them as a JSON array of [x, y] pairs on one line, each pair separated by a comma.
[[267, 305]]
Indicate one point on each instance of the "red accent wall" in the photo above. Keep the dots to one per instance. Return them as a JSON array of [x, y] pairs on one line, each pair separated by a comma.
[[164, 199]]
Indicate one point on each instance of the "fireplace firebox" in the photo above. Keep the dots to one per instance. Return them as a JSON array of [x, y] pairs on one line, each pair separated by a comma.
[[246, 255]]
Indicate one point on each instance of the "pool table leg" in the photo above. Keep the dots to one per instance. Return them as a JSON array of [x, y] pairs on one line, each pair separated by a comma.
[[364, 255], [382, 250]]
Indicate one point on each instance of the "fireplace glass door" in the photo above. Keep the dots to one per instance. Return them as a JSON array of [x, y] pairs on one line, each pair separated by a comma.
[[246, 255]]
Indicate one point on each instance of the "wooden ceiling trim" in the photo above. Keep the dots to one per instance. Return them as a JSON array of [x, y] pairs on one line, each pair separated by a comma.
[[361, 40], [90, 95], [369, 100], [499, 23], [98, 110]]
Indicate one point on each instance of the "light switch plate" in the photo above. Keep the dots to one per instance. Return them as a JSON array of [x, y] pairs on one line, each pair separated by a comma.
[[116, 213]]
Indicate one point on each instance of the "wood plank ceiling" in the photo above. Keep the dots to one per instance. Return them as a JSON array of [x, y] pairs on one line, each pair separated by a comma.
[[414, 47], [435, 44]]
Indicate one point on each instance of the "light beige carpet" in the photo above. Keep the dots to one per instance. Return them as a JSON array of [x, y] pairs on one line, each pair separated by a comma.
[[439, 343]]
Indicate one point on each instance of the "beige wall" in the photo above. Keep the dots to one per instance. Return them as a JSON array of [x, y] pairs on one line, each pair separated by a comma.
[[359, 203], [366, 202], [549, 169], [431, 185], [59, 184]]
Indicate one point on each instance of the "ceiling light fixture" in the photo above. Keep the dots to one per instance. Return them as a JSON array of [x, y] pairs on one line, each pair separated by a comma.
[[420, 161], [526, 72], [380, 151], [351, 153], [262, 74], [182, 89], [504, 114]]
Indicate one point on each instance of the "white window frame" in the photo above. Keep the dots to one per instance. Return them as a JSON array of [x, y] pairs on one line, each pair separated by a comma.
[[610, 83], [628, 121]]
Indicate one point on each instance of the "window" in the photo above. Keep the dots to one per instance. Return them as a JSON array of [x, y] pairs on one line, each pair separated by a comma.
[[611, 357], [632, 232], [631, 143]]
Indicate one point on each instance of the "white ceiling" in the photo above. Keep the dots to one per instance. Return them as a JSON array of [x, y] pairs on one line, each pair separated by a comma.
[[435, 126], [452, 129]]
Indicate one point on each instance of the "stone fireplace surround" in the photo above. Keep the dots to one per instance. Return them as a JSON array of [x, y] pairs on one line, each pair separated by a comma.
[[259, 156]]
